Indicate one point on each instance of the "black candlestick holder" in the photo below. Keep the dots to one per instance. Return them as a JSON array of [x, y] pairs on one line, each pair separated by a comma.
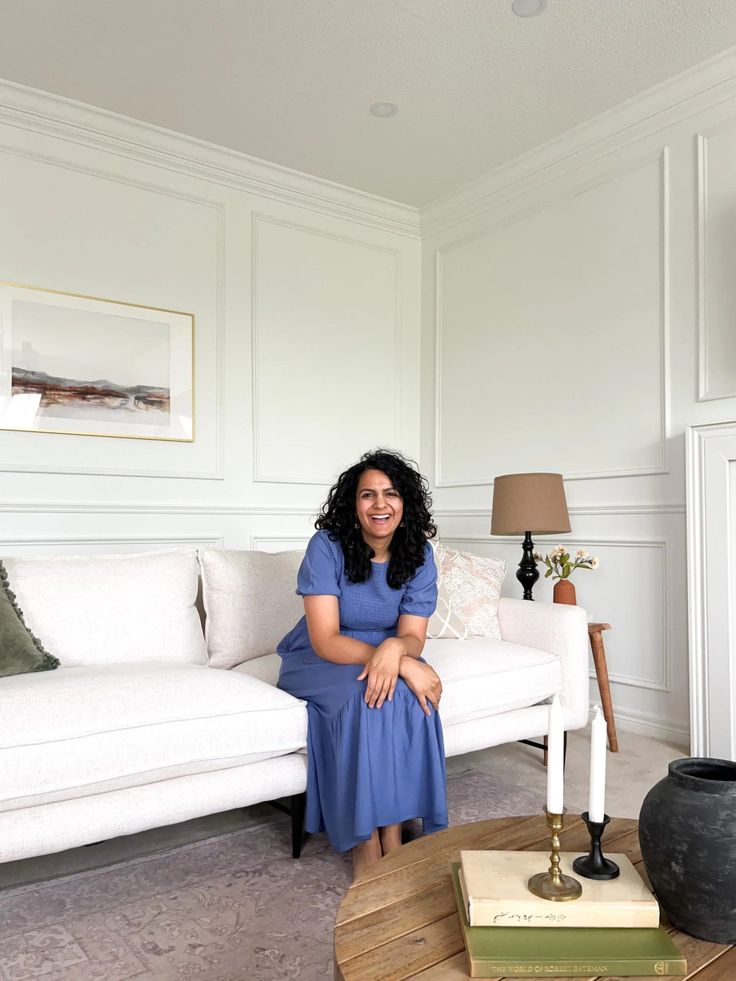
[[595, 865]]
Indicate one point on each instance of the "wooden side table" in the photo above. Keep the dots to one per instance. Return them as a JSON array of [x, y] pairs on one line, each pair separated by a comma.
[[595, 632]]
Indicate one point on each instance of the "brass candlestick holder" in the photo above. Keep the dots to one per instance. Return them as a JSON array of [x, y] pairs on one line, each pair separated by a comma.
[[553, 884]]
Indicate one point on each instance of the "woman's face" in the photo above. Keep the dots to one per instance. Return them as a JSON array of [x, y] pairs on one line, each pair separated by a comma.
[[379, 507]]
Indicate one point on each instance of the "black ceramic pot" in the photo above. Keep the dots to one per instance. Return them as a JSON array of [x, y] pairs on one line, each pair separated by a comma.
[[687, 833]]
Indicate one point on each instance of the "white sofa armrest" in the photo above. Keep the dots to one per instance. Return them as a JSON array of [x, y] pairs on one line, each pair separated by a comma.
[[558, 629]]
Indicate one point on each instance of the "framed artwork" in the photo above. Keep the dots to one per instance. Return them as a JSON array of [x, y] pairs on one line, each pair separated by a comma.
[[94, 367]]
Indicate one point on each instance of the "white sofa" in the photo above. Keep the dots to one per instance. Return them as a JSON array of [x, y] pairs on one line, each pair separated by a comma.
[[151, 719]]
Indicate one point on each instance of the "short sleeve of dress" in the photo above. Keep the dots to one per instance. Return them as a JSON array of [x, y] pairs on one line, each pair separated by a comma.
[[319, 572], [420, 595]]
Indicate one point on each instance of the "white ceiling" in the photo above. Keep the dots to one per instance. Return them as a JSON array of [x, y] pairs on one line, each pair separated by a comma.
[[290, 81]]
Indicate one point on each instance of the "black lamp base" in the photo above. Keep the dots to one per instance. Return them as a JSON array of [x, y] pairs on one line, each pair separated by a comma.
[[527, 573]]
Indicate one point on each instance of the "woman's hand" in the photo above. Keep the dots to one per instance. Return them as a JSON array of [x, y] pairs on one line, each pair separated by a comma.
[[423, 681], [382, 672]]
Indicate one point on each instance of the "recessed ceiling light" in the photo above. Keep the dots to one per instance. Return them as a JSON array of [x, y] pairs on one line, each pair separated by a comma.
[[528, 8], [383, 110]]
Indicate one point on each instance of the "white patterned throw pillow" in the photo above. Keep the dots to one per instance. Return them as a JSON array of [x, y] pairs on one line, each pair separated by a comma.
[[468, 590]]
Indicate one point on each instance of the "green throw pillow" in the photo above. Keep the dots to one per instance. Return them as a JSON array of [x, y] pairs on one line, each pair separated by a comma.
[[20, 651]]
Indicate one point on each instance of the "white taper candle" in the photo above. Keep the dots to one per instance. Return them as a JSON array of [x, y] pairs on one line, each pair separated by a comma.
[[555, 758], [597, 799]]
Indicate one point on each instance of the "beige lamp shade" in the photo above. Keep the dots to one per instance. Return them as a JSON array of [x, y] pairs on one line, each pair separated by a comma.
[[529, 502]]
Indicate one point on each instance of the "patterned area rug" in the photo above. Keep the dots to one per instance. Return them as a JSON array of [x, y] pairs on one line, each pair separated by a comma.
[[232, 908]]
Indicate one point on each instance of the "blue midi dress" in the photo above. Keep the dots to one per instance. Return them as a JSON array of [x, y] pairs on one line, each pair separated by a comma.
[[367, 768]]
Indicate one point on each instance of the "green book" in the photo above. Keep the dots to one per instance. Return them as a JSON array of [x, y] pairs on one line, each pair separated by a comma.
[[569, 952]]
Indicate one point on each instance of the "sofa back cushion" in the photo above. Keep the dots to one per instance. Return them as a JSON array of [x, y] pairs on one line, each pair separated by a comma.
[[112, 609], [250, 602], [469, 587]]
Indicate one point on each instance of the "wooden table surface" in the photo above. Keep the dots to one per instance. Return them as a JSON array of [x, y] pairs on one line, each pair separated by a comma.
[[399, 920]]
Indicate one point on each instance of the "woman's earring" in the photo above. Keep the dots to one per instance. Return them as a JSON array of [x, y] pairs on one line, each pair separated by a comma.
[[402, 524]]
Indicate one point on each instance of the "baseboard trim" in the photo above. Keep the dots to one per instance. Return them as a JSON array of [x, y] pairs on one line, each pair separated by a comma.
[[644, 725]]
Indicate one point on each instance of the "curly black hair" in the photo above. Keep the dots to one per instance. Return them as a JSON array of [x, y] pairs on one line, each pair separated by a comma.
[[338, 518]]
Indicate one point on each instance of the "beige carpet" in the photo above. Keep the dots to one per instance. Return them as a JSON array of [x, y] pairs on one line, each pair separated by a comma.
[[229, 908]]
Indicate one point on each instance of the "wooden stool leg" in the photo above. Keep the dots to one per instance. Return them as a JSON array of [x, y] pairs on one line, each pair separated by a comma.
[[601, 673]]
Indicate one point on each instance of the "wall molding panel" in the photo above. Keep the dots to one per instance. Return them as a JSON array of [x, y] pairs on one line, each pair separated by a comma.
[[100, 507], [364, 416], [94, 542], [708, 390], [596, 510], [488, 246], [215, 383]]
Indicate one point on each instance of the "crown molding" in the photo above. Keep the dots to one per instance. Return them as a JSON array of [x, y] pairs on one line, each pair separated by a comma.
[[669, 102], [53, 115]]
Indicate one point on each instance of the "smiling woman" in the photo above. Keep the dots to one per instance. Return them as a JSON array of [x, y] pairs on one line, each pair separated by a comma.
[[369, 582]]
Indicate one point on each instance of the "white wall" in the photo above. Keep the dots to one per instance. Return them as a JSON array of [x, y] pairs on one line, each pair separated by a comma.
[[578, 314], [307, 336]]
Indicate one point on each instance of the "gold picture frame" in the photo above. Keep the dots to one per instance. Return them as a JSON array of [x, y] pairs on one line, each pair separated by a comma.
[[86, 366]]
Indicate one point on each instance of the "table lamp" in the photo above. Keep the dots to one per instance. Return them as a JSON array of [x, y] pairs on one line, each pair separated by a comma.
[[524, 503]]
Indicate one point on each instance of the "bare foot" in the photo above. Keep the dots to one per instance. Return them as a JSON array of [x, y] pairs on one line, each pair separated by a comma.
[[365, 854], [390, 838]]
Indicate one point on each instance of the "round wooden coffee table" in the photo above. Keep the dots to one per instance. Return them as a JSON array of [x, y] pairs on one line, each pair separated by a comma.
[[399, 920]]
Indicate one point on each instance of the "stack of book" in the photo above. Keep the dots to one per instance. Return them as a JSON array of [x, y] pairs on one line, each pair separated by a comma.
[[612, 929]]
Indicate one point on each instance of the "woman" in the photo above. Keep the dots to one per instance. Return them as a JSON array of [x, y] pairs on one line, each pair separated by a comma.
[[369, 582]]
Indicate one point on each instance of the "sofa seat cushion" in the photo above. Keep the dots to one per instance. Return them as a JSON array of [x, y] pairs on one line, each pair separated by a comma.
[[79, 731], [265, 668], [482, 676]]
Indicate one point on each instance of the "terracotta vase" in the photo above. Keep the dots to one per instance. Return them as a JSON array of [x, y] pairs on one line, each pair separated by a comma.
[[564, 592]]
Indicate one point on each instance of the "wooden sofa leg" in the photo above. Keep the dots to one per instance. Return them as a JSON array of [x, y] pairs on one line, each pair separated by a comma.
[[298, 805]]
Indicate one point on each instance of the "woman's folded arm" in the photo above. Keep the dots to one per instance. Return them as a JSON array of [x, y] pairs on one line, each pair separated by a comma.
[[323, 624]]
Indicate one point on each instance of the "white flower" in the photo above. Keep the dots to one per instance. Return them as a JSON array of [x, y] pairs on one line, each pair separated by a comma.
[[594, 563], [582, 554]]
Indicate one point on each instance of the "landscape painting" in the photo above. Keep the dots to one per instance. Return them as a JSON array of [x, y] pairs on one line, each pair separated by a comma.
[[76, 364]]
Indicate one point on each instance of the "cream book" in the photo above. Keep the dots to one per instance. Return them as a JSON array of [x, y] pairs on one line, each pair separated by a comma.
[[495, 893]]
